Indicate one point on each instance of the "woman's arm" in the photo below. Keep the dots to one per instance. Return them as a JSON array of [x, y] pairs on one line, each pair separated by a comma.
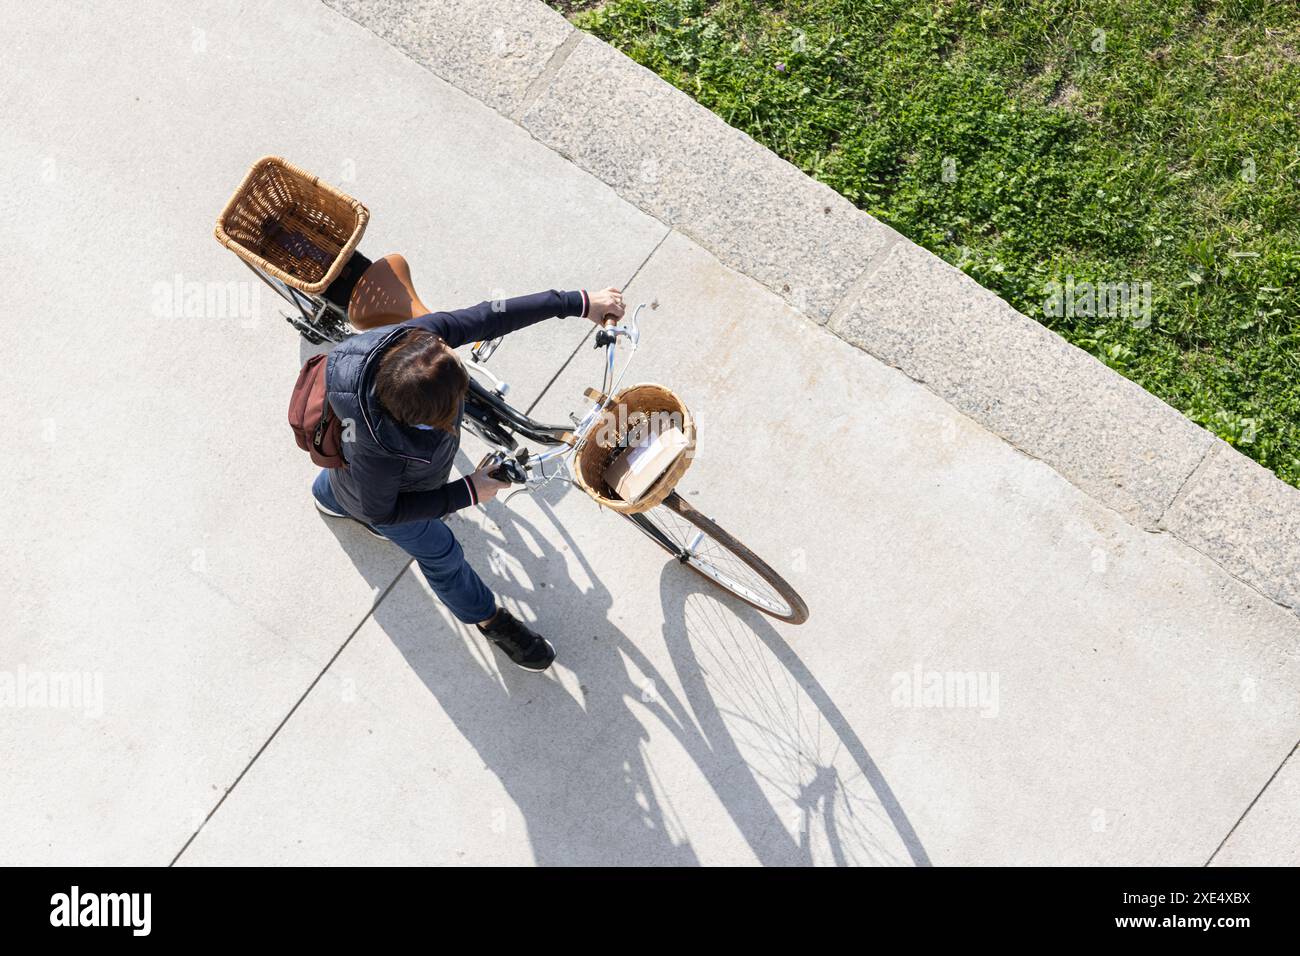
[[487, 320], [378, 479]]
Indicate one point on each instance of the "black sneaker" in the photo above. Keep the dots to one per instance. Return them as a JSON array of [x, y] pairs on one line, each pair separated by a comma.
[[335, 514], [520, 643]]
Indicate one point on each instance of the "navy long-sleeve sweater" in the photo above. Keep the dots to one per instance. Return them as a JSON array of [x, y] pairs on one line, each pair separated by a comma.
[[396, 473]]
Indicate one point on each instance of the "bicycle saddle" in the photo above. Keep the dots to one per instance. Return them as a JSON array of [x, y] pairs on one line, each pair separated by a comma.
[[385, 295]]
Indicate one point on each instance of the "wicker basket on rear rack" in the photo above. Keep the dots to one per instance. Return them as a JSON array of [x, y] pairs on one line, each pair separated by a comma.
[[602, 444], [285, 222]]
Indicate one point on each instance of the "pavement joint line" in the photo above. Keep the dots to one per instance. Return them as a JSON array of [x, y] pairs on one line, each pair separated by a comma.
[[1294, 611], [544, 79], [668, 231], [560, 371], [1211, 451], [292, 710], [1251, 806], [577, 348], [856, 287]]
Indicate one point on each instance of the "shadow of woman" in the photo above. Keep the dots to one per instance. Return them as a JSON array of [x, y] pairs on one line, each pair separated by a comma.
[[566, 746]]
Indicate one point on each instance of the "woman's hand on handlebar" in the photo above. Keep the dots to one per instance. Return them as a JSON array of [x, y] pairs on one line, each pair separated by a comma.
[[485, 486], [605, 305]]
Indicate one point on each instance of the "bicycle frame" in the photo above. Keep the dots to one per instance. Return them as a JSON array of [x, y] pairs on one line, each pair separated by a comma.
[[496, 421], [489, 410]]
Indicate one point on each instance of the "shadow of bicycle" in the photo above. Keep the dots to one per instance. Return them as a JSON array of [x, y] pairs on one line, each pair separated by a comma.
[[573, 748], [805, 768]]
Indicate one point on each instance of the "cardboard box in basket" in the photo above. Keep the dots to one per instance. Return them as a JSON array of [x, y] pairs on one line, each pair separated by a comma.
[[648, 456]]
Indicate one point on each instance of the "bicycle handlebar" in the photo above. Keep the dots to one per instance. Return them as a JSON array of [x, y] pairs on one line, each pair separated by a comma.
[[522, 468], [608, 336]]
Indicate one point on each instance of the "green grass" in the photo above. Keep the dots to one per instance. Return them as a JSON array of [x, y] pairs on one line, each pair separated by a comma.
[[1116, 141]]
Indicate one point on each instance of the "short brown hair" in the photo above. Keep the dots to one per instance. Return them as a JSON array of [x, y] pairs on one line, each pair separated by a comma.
[[421, 381]]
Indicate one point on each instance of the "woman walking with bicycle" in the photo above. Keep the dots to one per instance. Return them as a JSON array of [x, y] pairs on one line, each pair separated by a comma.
[[400, 389], [382, 412]]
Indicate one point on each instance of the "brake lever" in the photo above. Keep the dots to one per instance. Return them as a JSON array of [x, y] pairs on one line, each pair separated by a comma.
[[504, 468]]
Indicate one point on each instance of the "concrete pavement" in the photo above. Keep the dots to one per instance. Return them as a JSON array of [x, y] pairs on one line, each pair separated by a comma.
[[1132, 694]]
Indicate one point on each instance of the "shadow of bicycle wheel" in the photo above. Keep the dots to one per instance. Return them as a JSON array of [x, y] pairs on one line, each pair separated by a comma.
[[794, 758]]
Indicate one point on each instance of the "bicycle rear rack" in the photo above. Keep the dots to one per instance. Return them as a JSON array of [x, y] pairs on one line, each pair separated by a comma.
[[318, 320]]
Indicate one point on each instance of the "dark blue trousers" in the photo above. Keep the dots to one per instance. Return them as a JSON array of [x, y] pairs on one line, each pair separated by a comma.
[[438, 554]]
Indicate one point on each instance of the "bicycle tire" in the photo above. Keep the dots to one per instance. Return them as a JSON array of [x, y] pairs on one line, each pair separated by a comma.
[[792, 609]]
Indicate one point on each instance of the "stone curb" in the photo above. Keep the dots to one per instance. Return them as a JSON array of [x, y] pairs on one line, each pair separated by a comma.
[[761, 216], [494, 50], [679, 162], [1244, 518]]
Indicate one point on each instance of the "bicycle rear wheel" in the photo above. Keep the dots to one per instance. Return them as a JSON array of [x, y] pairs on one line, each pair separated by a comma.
[[711, 551]]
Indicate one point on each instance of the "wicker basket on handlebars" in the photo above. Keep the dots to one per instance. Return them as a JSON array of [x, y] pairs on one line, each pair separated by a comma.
[[602, 444], [285, 222]]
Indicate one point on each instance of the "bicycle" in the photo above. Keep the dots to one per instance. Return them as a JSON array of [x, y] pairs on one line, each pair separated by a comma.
[[338, 292]]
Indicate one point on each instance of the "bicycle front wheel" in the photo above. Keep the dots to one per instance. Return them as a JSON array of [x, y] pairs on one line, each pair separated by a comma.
[[709, 550]]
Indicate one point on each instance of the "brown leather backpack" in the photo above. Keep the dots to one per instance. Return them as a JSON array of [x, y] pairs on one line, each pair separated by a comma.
[[316, 428]]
